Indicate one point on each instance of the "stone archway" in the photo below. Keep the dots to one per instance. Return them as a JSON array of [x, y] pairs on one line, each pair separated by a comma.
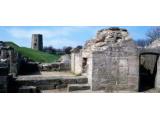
[[147, 70]]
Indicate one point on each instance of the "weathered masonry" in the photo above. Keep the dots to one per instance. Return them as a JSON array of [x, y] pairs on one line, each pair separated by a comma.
[[112, 62], [149, 68], [8, 68], [37, 42], [76, 61], [115, 68]]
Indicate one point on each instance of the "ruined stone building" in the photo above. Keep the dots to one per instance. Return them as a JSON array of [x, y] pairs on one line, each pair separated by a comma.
[[111, 61], [8, 67], [37, 42], [8, 59], [149, 65]]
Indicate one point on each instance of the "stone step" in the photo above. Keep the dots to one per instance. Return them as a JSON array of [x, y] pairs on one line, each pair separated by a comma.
[[61, 90], [120, 88], [48, 83], [78, 87], [28, 89], [153, 90], [82, 91]]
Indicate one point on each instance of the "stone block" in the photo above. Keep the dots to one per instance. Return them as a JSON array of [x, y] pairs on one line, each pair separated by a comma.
[[28, 89], [4, 84], [76, 87]]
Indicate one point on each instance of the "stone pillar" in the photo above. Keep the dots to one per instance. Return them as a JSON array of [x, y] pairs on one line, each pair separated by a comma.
[[72, 62], [78, 63], [12, 62]]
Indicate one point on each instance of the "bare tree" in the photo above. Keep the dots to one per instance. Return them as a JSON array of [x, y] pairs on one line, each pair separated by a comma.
[[142, 42], [153, 34]]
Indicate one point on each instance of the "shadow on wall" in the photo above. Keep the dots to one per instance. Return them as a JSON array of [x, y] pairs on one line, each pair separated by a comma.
[[147, 75], [27, 68]]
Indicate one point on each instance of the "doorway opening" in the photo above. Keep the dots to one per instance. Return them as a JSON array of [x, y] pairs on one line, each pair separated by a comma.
[[147, 71], [84, 65]]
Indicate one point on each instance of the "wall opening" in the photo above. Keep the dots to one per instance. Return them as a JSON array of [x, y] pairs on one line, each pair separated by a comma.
[[147, 71], [84, 65]]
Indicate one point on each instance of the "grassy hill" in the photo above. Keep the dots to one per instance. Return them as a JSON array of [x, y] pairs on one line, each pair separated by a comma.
[[34, 55]]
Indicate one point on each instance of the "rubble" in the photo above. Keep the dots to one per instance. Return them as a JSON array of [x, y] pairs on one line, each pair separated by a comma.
[[63, 64]]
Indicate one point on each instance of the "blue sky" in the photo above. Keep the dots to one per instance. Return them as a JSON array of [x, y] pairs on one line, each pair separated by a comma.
[[60, 36]]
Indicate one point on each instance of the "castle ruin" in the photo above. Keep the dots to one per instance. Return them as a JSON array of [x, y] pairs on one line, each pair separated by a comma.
[[109, 62], [113, 62], [37, 42]]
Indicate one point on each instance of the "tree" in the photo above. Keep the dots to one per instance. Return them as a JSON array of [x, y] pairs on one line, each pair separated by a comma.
[[142, 42], [49, 49], [67, 50], [79, 47], [153, 34]]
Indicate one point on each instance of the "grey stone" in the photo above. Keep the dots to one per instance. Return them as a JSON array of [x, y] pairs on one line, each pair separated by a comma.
[[48, 83], [75, 87], [111, 58], [28, 89], [37, 42]]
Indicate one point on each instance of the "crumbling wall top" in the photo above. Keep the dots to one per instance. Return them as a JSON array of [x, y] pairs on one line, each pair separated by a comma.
[[107, 37], [155, 44], [76, 50]]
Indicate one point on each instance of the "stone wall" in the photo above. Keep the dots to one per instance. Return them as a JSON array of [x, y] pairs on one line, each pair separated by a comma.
[[72, 62], [9, 57], [116, 66], [157, 84], [76, 64], [7, 84], [154, 47], [111, 59], [89, 71]]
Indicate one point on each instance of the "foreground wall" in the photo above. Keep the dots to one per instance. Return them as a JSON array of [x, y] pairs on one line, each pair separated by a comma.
[[116, 68], [157, 83]]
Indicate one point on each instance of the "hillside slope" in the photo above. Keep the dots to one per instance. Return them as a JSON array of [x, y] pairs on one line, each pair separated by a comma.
[[34, 55]]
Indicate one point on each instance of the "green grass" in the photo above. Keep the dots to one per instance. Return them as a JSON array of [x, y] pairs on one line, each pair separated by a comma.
[[34, 55]]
